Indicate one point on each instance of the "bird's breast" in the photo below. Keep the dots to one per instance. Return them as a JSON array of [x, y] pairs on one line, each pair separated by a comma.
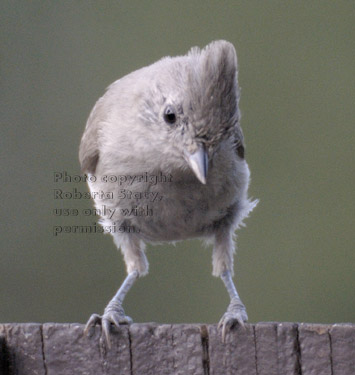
[[167, 208]]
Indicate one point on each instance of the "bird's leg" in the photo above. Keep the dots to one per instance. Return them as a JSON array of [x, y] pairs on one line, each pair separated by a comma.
[[236, 312], [113, 312]]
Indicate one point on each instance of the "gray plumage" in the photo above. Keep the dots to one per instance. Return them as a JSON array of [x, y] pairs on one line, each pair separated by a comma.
[[177, 118]]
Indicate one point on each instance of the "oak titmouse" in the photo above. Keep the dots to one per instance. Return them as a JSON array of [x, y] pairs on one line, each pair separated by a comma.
[[165, 154]]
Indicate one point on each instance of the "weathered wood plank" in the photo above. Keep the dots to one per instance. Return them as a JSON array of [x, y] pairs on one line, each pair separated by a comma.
[[315, 349], [151, 347], [288, 349], [67, 348], [343, 348], [277, 348], [21, 349], [266, 348], [166, 349], [182, 349], [188, 350], [237, 355]]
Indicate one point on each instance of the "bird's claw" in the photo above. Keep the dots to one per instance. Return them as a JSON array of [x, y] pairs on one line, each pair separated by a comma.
[[235, 314], [113, 314]]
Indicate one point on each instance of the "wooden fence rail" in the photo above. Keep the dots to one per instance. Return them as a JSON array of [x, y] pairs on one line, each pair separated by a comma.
[[147, 349]]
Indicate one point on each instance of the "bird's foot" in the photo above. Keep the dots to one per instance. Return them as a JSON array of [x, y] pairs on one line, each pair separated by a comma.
[[113, 314], [236, 313]]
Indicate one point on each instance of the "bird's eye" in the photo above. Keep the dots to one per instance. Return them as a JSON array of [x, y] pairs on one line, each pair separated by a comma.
[[170, 115]]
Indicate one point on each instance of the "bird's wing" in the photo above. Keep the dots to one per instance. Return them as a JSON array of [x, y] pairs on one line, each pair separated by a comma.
[[89, 149], [239, 141]]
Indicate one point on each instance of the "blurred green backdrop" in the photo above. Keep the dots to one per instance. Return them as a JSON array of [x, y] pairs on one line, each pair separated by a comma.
[[296, 256]]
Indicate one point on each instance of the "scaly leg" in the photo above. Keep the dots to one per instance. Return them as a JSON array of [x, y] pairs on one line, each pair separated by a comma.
[[113, 312], [223, 267], [236, 312], [137, 265]]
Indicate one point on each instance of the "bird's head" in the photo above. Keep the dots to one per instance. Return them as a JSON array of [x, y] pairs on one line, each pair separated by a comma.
[[172, 115], [192, 106]]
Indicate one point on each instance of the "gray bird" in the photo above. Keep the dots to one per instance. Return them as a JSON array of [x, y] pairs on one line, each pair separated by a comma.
[[164, 154]]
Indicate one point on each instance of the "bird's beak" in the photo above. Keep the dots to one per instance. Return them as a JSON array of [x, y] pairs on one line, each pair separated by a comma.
[[198, 162]]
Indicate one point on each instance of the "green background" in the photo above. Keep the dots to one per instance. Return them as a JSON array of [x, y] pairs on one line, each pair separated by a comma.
[[296, 257]]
